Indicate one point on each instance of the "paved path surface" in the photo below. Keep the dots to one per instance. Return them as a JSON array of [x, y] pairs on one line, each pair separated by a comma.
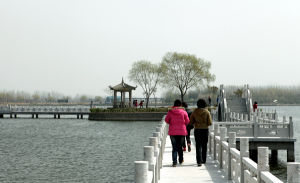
[[188, 171]]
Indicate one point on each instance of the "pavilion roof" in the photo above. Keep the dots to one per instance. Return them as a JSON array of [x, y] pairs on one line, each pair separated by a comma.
[[122, 87]]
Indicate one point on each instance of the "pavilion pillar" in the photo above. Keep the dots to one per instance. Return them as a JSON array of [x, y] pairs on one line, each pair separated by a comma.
[[121, 104], [123, 99], [115, 98], [130, 98]]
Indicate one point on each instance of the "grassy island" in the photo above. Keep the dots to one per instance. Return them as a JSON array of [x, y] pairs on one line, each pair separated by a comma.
[[128, 114]]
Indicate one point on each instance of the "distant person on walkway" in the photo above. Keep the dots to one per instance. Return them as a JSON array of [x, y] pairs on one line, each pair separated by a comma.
[[218, 98], [189, 127], [135, 103], [209, 101], [201, 119], [177, 118], [141, 104], [254, 106]]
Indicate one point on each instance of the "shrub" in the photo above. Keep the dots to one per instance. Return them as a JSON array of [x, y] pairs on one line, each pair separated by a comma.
[[161, 109]]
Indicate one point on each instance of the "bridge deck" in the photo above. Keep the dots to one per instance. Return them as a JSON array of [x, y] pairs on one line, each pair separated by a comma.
[[188, 171]]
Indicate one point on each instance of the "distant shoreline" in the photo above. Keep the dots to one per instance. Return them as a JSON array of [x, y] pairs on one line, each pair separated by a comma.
[[279, 104]]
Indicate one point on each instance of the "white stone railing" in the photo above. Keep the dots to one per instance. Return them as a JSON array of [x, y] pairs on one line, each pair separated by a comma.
[[238, 166], [260, 127], [148, 170], [4, 108], [251, 129], [270, 117], [47, 109]]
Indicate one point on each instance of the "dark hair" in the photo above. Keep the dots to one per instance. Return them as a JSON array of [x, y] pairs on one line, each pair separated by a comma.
[[201, 103], [177, 103], [184, 104]]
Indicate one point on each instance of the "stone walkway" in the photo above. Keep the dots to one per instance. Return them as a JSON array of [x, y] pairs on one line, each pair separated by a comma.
[[188, 171]]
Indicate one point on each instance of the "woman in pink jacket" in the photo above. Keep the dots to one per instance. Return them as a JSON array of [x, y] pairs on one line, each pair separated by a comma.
[[177, 118]]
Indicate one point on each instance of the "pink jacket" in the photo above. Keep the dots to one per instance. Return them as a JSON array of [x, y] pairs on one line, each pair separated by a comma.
[[177, 118]]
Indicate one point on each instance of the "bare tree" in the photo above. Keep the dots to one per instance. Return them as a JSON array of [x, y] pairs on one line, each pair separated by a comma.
[[147, 75], [185, 71]]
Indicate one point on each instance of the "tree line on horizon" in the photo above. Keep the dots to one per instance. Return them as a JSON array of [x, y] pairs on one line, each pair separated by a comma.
[[268, 95], [261, 94], [44, 97]]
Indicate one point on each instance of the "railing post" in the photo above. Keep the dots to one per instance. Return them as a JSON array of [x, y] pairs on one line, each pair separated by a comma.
[[154, 142], [255, 127], [262, 161], [149, 156], [242, 117], [246, 117], [291, 128], [157, 134], [212, 140], [231, 144], [141, 171], [216, 133], [293, 172], [244, 152], [223, 132], [276, 117]]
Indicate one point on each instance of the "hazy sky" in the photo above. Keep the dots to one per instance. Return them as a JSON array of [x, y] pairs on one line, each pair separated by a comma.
[[82, 47]]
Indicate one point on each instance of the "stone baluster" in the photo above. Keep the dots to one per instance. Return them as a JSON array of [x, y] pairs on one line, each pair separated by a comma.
[[149, 156], [293, 172], [157, 134], [141, 171], [262, 162], [231, 144], [241, 117], [276, 117], [264, 117], [244, 152], [284, 121], [291, 127], [246, 117], [154, 142], [223, 132], [210, 140], [251, 117], [216, 133], [255, 126]]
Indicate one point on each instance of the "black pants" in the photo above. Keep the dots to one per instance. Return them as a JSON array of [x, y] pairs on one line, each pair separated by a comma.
[[201, 138], [188, 136]]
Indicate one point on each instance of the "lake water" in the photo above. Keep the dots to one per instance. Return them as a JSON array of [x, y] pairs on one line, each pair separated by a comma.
[[71, 150], [78, 150]]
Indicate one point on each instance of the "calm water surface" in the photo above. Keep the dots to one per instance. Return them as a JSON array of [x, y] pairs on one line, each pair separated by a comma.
[[71, 150]]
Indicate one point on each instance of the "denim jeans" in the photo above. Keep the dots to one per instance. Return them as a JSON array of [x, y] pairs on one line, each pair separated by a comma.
[[177, 142], [201, 138]]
